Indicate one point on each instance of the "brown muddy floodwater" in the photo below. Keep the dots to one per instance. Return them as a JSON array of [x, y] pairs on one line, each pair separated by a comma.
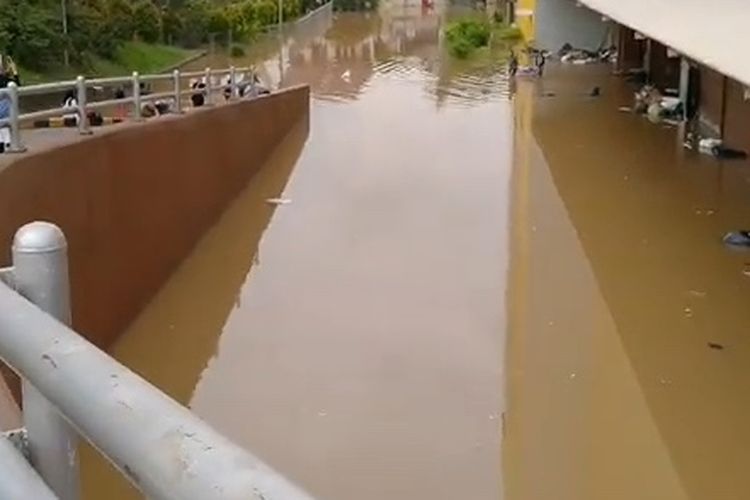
[[472, 293]]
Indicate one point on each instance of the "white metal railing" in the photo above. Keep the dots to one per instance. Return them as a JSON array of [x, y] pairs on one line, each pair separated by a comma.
[[212, 78], [70, 387]]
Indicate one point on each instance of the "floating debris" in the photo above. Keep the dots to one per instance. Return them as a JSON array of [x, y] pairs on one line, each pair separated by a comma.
[[746, 270], [697, 293], [716, 346], [625, 109], [737, 238], [572, 376], [322, 413], [665, 381], [278, 201], [705, 211], [688, 312]]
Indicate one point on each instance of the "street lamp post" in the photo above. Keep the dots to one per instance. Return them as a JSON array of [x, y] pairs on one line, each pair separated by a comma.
[[64, 10]]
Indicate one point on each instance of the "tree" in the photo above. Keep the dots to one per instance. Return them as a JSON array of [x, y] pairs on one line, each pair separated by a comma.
[[30, 34], [90, 31], [120, 19], [147, 21]]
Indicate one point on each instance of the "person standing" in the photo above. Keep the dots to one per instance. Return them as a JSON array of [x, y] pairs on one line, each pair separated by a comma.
[[539, 61], [512, 63]]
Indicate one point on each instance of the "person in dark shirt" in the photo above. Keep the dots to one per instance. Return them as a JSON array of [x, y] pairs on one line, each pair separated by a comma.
[[539, 61]]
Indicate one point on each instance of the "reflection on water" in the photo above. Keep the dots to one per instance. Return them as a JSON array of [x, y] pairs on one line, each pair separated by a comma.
[[342, 56], [356, 337], [354, 341], [620, 287]]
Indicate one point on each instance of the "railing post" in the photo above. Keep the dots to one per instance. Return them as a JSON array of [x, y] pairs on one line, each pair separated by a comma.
[[15, 126], [136, 96], [209, 89], [177, 92], [232, 82], [40, 269], [83, 119], [20, 479]]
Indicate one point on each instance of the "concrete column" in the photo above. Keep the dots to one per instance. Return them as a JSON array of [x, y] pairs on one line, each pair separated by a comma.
[[684, 83]]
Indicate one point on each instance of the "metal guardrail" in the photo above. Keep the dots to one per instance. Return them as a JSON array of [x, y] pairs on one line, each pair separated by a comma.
[[211, 77], [70, 387]]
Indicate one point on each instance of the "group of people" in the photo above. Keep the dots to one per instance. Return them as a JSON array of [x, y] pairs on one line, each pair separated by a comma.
[[538, 61], [244, 87]]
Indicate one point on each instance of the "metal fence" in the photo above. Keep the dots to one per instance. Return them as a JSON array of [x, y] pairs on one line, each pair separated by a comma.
[[213, 79], [72, 388]]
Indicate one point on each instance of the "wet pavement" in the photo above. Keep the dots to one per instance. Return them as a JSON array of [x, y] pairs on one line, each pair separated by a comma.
[[475, 291]]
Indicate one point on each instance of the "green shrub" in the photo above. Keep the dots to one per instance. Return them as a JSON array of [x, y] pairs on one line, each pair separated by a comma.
[[461, 48], [466, 35], [236, 51]]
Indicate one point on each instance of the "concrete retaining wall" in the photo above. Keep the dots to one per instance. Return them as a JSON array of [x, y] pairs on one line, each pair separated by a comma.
[[134, 199], [561, 21]]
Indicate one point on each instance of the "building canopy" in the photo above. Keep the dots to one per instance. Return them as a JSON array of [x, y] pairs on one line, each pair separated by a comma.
[[714, 33]]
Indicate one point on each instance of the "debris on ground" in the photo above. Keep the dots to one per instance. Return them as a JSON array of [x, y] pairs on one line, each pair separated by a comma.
[[707, 145], [625, 109], [714, 345], [657, 106], [572, 55], [278, 201], [715, 147], [737, 238], [595, 92]]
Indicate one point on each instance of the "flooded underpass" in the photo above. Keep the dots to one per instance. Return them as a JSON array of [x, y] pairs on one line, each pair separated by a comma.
[[466, 289]]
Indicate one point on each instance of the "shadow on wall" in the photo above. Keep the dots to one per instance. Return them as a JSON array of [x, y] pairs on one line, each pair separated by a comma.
[[133, 201]]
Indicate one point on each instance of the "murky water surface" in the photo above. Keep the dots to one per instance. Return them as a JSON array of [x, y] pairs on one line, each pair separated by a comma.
[[473, 293]]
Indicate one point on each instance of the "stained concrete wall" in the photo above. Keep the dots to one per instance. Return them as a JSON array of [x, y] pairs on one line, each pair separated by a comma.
[[560, 21], [133, 200], [712, 90], [737, 116]]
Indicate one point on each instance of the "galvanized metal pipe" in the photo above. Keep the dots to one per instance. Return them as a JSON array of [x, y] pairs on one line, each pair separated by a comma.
[[177, 91], [109, 103], [15, 115], [136, 96], [232, 82], [46, 88], [166, 451], [20, 480], [209, 90], [40, 270], [45, 113], [115, 80], [83, 119]]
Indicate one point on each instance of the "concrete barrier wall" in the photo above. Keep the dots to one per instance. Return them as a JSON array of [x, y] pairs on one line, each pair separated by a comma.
[[134, 199]]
